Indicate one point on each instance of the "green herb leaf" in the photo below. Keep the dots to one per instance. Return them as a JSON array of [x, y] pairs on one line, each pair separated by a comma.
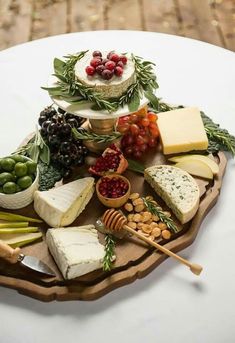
[[109, 252], [85, 135], [59, 66], [152, 98], [135, 166], [134, 103], [156, 210]]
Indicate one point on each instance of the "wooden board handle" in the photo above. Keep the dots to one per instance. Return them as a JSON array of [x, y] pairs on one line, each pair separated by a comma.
[[195, 268], [8, 253]]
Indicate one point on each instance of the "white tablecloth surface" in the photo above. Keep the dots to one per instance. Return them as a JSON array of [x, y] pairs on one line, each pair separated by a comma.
[[170, 304]]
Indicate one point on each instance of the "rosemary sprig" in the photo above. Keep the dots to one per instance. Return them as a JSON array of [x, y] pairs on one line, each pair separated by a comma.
[[219, 139], [84, 135], [156, 210], [109, 252], [35, 149]]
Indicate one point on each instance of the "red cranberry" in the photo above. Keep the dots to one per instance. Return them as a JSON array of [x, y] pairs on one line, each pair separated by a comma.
[[96, 53], [115, 58], [123, 59], [95, 62], [90, 70], [118, 71], [100, 69], [107, 74], [120, 64], [110, 65]]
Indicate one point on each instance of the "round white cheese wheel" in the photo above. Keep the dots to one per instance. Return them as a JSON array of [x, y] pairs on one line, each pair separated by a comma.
[[112, 88]]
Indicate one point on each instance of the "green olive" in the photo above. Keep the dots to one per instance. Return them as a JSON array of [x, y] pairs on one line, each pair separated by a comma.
[[9, 188], [20, 169], [1, 189], [19, 158], [31, 166], [18, 189], [5, 177], [7, 164], [24, 182]]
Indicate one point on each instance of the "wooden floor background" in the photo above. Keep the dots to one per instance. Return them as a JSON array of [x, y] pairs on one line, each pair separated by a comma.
[[212, 21]]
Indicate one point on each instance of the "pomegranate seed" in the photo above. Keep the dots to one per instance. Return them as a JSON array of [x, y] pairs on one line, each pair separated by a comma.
[[107, 74], [97, 54], [95, 62], [118, 71], [123, 59], [90, 70], [110, 65], [115, 58]]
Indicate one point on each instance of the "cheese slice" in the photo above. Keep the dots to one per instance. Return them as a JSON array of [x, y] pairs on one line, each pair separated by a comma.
[[76, 250], [60, 206], [177, 188], [182, 130]]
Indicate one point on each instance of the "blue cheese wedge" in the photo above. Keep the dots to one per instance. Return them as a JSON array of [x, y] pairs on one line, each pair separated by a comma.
[[60, 206], [76, 250], [177, 188]]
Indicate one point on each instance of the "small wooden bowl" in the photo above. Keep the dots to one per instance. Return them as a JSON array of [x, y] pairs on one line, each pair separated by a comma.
[[113, 202]]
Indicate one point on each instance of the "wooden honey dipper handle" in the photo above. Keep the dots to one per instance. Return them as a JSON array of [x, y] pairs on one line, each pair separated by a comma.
[[115, 221]]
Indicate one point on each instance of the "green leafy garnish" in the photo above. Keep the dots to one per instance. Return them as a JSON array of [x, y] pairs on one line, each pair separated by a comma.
[[48, 176], [219, 139], [36, 149], [135, 166], [153, 208], [85, 135], [109, 252]]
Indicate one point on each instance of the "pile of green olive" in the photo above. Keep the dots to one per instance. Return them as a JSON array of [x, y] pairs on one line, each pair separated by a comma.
[[17, 173]]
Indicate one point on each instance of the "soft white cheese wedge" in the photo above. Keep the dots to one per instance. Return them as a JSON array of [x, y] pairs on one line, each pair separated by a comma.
[[112, 88], [177, 188], [76, 250], [60, 206]]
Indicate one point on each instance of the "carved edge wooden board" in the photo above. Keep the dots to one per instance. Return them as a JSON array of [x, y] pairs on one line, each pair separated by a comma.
[[124, 277]]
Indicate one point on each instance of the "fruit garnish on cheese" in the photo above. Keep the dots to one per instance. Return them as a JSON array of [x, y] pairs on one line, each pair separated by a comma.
[[177, 188], [108, 73], [76, 250], [60, 206], [182, 130]]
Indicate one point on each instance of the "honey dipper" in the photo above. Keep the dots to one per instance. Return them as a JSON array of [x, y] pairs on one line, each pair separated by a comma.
[[116, 221]]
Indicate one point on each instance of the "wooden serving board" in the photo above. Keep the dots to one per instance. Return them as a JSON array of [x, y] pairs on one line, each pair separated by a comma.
[[134, 258]]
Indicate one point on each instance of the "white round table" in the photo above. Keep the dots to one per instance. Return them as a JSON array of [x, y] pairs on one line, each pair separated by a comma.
[[171, 304]]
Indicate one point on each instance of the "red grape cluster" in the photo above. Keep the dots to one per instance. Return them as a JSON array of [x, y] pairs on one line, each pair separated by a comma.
[[140, 132], [56, 129], [107, 67]]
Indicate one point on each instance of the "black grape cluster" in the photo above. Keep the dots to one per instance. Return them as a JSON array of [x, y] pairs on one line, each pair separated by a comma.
[[56, 129]]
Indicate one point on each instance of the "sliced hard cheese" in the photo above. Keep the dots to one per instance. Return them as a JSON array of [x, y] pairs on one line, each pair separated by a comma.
[[177, 188], [196, 168], [76, 250], [182, 130], [62, 205]]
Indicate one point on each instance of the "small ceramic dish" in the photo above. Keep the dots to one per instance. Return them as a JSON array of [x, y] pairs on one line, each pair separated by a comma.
[[20, 199], [117, 201]]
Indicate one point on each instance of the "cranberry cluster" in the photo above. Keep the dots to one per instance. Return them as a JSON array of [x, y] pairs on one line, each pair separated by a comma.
[[107, 67], [113, 187]]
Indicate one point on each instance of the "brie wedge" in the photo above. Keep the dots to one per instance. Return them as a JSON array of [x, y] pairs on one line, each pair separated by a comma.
[[76, 250], [60, 206], [112, 88]]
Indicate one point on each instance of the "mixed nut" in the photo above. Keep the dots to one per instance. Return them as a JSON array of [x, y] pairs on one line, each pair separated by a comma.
[[144, 221]]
